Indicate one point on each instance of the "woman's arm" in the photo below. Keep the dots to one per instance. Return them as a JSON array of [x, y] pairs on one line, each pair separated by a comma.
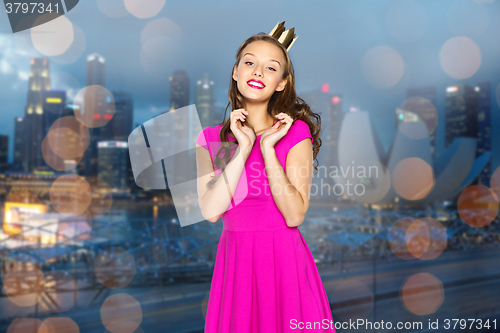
[[215, 201], [291, 190]]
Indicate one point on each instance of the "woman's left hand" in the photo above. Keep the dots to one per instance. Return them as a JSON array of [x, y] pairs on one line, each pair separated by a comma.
[[272, 135]]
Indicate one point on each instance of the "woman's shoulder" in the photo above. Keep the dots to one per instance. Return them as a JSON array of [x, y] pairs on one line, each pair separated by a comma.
[[299, 123], [299, 126], [299, 131], [212, 134]]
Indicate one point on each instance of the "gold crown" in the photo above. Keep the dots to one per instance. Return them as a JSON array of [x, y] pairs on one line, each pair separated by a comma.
[[286, 38]]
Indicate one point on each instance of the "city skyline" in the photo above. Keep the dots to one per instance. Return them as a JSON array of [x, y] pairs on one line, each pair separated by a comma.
[[361, 27], [205, 112]]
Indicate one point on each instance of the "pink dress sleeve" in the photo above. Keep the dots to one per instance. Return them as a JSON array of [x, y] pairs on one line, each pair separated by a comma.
[[209, 144], [201, 139], [300, 131]]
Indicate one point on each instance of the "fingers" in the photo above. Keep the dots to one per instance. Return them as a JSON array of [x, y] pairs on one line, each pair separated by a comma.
[[239, 114], [284, 118]]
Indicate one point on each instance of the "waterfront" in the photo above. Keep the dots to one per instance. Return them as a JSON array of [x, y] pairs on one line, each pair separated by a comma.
[[172, 283]]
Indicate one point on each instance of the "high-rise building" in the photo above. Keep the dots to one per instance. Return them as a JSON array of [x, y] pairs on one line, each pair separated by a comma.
[[34, 125], [54, 107], [483, 90], [19, 141], [120, 126], [98, 101], [425, 113], [461, 113], [179, 90], [179, 98], [95, 69], [4, 152], [204, 101], [112, 164], [329, 106]]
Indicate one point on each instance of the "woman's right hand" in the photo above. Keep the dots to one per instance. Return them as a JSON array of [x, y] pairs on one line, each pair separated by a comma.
[[242, 132]]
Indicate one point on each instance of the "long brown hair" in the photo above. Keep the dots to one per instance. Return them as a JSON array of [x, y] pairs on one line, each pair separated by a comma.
[[285, 101]]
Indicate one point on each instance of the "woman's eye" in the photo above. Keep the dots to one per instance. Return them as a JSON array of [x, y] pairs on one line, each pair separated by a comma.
[[249, 62]]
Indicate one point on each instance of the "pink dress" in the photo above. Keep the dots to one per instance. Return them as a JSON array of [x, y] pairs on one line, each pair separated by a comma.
[[265, 279]]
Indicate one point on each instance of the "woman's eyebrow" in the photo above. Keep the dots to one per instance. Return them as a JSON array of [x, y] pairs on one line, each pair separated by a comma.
[[269, 59]]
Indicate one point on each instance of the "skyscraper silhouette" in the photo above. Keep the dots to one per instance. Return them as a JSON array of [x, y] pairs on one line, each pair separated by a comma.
[[34, 125]]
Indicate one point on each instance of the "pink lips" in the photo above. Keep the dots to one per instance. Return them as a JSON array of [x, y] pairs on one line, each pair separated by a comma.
[[255, 87]]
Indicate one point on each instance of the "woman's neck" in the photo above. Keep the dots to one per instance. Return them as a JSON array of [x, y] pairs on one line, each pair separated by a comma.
[[258, 118]]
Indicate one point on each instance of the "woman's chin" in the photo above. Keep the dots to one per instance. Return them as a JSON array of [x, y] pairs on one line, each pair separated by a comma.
[[253, 99]]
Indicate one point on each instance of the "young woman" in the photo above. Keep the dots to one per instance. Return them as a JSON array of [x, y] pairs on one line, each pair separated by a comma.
[[265, 278]]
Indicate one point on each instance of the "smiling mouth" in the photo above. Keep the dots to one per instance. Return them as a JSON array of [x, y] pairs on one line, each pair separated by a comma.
[[255, 85]]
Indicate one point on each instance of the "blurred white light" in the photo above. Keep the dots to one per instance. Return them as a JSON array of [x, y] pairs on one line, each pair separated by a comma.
[[382, 67], [54, 37], [144, 9], [460, 57]]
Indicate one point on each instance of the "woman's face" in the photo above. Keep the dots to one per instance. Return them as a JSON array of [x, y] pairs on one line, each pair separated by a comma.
[[262, 62]]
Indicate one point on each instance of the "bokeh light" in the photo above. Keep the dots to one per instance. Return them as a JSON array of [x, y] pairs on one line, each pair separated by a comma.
[[62, 290], [53, 37], [413, 178], [467, 18], [25, 325], [143, 9], [495, 183], [58, 325], [382, 67], [438, 238], [397, 238], [121, 313], [460, 57], [477, 206], [70, 193], [161, 27], [75, 131], [422, 294], [114, 267], [95, 106], [66, 143], [417, 238], [355, 300], [418, 109], [55, 161], [407, 20], [24, 284], [75, 50]]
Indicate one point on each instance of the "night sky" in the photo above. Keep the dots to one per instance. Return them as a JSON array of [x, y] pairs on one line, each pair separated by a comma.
[[203, 37]]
